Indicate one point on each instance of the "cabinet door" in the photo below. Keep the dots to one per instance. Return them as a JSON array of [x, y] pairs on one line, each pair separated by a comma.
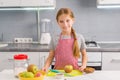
[[9, 3], [94, 59], [7, 62], [47, 3], [27, 3], [111, 61], [30, 3], [43, 57]]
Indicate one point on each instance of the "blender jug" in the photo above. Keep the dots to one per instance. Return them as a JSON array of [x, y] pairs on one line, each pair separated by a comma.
[[45, 34]]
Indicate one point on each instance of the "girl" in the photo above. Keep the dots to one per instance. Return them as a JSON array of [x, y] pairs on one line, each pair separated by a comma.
[[68, 46]]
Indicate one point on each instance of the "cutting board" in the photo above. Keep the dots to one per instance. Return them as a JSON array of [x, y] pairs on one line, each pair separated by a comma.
[[71, 74]]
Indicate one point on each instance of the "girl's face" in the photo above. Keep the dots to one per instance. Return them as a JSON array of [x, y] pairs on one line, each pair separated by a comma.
[[65, 22]]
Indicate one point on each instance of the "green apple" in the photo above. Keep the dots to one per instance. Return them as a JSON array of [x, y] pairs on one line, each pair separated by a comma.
[[68, 68], [32, 68], [22, 74], [27, 74]]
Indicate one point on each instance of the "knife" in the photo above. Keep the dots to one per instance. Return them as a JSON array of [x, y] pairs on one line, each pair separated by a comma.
[[56, 71]]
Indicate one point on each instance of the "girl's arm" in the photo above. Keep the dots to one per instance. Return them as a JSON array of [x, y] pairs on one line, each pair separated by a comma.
[[84, 60], [48, 61]]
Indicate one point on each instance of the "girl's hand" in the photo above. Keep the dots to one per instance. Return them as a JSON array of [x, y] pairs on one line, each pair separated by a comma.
[[44, 69], [82, 68]]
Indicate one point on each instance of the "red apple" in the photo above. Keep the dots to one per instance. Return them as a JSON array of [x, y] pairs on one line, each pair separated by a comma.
[[68, 68], [38, 74], [42, 72]]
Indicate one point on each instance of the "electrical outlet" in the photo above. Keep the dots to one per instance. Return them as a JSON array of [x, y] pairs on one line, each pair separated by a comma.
[[23, 40]]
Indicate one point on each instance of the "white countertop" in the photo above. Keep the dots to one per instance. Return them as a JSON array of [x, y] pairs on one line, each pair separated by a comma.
[[97, 75]]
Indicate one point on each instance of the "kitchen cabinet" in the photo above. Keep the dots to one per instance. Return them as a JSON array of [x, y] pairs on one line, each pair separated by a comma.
[[27, 3], [9, 3], [94, 59], [5, 62], [6, 59], [110, 60], [43, 57], [37, 3]]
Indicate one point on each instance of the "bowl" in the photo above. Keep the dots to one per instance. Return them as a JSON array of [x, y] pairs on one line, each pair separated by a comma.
[[35, 78]]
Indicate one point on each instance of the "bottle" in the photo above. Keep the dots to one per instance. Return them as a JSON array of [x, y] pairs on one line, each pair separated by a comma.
[[20, 63]]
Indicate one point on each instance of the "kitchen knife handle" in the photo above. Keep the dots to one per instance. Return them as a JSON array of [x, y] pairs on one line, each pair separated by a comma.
[[10, 59], [53, 70]]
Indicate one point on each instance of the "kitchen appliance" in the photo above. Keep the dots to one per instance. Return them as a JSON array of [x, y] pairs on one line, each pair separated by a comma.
[[45, 34], [94, 57]]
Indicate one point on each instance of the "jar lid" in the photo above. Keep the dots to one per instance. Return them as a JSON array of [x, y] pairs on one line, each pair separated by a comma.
[[20, 56]]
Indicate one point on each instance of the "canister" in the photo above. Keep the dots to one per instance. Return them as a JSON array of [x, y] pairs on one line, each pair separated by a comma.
[[20, 63]]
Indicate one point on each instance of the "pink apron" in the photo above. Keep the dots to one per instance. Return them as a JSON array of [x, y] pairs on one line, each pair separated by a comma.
[[64, 54]]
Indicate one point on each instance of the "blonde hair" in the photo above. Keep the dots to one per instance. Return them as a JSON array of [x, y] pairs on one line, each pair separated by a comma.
[[76, 49]]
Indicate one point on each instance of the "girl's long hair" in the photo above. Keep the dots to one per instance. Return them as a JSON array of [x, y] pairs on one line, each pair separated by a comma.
[[76, 48]]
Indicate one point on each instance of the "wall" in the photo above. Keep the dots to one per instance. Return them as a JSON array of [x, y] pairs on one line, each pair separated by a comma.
[[94, 24]]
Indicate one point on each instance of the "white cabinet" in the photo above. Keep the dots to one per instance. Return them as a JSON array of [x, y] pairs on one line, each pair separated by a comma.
[[8, 3], [30, 2], [108, 2], [27, 3], [43, 57], [37, 3], [111, 61], [94, 59], [6, 59], [5, 63]]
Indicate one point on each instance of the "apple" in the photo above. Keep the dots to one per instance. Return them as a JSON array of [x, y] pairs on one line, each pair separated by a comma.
[[27, 74], [32, 68], [37, 74], [22, 74], [42, 72], [68, 68]]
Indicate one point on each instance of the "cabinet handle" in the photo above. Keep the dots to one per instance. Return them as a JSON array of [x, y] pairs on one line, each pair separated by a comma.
[[10, 59], [115, 61]]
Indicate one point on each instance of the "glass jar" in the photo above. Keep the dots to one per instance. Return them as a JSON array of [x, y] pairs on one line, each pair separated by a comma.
[[20, 63]]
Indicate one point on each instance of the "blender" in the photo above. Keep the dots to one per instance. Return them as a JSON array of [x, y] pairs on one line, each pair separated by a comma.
[[45, 34]]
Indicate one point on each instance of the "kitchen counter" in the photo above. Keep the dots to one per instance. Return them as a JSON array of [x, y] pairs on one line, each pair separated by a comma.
[[97, 75], [35, 47], [25, 47], [105, 47]]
